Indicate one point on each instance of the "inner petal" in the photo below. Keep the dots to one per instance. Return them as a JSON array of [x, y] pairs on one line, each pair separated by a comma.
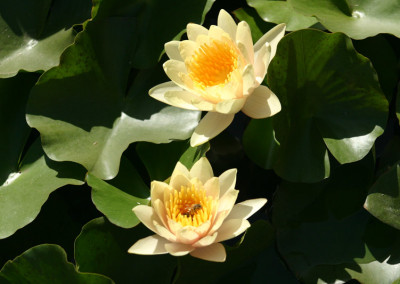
[[212, 64], [190, 206]]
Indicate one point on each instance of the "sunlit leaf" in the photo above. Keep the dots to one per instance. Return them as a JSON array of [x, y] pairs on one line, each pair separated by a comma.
[[24, 192], [357, 19], [34, 34]]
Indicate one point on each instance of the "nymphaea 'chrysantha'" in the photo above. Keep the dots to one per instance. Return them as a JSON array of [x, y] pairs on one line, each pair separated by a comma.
[[220, 71], [193, 213]]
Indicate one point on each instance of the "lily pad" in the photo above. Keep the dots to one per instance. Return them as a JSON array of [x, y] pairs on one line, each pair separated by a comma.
[[46, 264], [25, 191], [383, 200], [103, 248], [115, 203], [357, 19], [81, 109], [34, 34], [331, 100], [282, 12]]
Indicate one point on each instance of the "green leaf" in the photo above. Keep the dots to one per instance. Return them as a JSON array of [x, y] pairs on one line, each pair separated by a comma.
[[261, 146], [91, 122], [357, 19], [34, 34], [103, 248], [160, 160], [116, 204], [383, 200], [25, 191], [331, 100], [46, 264], [258, 237], [282, 12], [15, 131]]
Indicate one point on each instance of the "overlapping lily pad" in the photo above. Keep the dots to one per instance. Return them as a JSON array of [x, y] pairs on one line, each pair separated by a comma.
[[81, 108], [34, 34], [357, 19], [46, 264], [282, 12], [331, 100], [26, 190]]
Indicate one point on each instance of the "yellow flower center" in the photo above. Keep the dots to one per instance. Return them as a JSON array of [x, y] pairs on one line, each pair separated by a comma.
[[212, 63], [190, 206]]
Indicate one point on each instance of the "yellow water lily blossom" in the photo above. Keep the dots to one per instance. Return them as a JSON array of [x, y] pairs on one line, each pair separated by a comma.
[[220, 71], [193, 213]]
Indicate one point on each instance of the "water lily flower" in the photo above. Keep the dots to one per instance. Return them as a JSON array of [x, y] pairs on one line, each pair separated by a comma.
[[193, 213], [220, 71]]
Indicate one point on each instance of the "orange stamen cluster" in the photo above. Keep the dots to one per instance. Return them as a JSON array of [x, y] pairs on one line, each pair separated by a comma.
[[212, 63], [190, 206]]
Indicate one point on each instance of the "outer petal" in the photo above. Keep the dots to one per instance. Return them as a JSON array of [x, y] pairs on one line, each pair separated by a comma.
[[178, 249], [245, 209], [212, 124], [215, 252], [226, 22], [146, 215], [230, 106], [202, 170], [228, 200], [194, 30], [158, 92], [273, 36], [217, 33], [187, 235], [261, 62], [159, 209], [157, 190], [249, 80], [245, 42], [179, 179], [172, 50], [206, 241], [150, 245], [187, 49], [262, 103], [187, 100], [227, 181], [232, 228], [174, 69], [212, 187], [180, 168]]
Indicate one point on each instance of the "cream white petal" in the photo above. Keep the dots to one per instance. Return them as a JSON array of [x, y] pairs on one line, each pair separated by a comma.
[[202, 170], [212, 124], [173, 226], [216, 32], [157, 190], [164, 232], [178, 249], [179, 179], [249, 80], [219, 219], [187, 100], [227, 181], [232, 228], [262, 103], [227, 201], [187, 48], [212, 187], [187, 235], [230, 106], [181, 168], [261, 62], [273, 37], [215, 252], [245, 209], [159, 209], [206, 241], [146, 215], [172, 50], [203, 228], [194, 30], [151, 245], [245, 42], [158, 92], [226, 22], [174, 69]]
